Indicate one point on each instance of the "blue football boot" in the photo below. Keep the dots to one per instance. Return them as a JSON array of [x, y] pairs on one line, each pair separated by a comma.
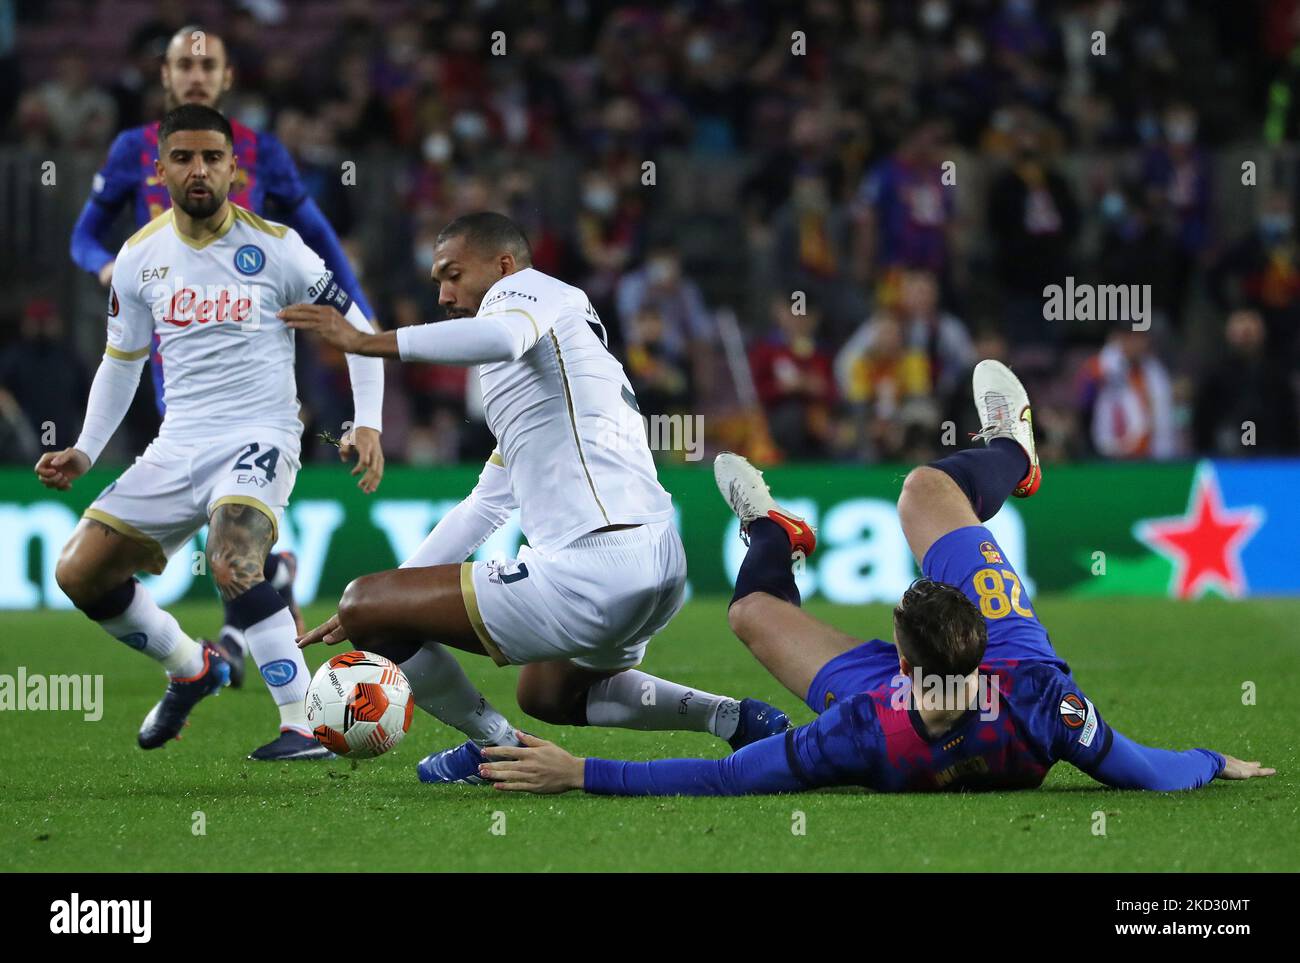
[[758, 720], [231, 647], [453, 765], [166, 719], [290, 746]]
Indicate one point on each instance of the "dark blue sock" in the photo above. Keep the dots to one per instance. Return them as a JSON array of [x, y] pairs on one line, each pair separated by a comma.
[[766, 567], [269, 569], [113, 602], [986, 475], [258, 603]]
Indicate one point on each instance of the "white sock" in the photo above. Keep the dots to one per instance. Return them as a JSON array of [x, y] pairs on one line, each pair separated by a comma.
[[442, 689], [157, 634], [271, 644], [635, 700]]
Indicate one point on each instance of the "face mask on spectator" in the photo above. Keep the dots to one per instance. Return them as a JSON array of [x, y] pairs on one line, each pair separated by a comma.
[[1275, 227], [1180, 131], [599, 198], [935, 15], [661, 271], [469, 125], [436, 148], [1113, 206], [700, 49], [254, 114], [970, 51]]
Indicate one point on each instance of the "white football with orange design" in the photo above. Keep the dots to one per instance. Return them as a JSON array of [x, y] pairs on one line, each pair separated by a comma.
[[359, 704]]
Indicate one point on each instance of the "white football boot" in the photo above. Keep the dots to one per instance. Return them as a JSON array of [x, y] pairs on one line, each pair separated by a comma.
[[1003, 406], [745, 491]]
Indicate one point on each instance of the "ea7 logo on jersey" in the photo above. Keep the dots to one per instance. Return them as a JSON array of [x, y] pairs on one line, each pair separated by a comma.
[[154, 274], [1077, 713]]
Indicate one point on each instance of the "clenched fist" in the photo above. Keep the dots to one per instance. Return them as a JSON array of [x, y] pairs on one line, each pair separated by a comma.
[[59, 469]]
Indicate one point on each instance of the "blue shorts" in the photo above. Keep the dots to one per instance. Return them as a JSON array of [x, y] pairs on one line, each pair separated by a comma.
[[971, 560], [871, 666]]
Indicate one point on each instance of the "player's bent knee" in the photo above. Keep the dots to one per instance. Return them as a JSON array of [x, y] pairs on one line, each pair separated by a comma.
[[354, 609], [922, 485], [743, 615], [72, 579], [77, 578]]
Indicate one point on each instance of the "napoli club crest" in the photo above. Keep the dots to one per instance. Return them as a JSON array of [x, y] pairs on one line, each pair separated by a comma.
[[249, 259], [280, 672]]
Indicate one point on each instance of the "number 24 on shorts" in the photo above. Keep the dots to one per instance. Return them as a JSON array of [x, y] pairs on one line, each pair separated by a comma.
[[991, 587], [266, 461]]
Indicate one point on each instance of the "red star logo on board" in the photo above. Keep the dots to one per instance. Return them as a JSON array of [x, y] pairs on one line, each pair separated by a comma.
[[1205, 544]]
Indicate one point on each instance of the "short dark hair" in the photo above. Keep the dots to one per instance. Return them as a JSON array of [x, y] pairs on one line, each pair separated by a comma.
[[939, 630], [195, 117], [491, 232]]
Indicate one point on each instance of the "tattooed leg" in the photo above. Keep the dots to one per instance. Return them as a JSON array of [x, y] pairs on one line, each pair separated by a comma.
[[239, 538]]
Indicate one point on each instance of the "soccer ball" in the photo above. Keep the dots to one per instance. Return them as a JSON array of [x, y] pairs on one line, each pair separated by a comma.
[[359, 704]]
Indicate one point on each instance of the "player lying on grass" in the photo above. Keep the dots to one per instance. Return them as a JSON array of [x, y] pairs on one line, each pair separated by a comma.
[[206, 277], [1008, 708], [604, 569]]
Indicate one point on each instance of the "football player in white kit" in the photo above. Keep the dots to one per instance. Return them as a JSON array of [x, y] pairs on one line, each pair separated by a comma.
[[604, 569], [208, 277]]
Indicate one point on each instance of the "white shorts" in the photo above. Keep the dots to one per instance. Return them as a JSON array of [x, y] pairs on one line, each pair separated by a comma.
[[169, 492], [596, 602]]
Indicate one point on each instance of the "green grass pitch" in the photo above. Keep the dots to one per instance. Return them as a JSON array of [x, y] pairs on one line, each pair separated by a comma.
[[79, 796]]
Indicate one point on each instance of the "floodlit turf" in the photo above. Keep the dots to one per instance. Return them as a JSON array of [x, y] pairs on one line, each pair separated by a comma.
[[78, 795]]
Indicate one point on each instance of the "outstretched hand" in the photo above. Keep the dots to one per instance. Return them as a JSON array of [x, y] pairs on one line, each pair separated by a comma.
[[324, 321], [1236, 769], [331, 632], [370, 456], [536, 766]]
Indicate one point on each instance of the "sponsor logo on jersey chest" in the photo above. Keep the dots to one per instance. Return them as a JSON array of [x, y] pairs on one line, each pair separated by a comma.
[[188, 306]]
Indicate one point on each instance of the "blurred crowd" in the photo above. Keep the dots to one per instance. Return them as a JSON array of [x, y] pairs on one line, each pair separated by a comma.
[[883, 190]]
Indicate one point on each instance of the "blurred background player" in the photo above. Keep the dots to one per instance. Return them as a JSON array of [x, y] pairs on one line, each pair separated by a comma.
[[1006, 708], [812, 174], [604, 569], [195, 70], [202, 282]]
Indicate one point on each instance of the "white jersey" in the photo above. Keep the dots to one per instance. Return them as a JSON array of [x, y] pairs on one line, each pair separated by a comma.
[[565, 419], [227, 360]]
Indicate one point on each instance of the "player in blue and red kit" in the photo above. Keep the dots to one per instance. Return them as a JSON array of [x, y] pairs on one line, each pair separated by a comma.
[[971, 695], [195, 70]]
